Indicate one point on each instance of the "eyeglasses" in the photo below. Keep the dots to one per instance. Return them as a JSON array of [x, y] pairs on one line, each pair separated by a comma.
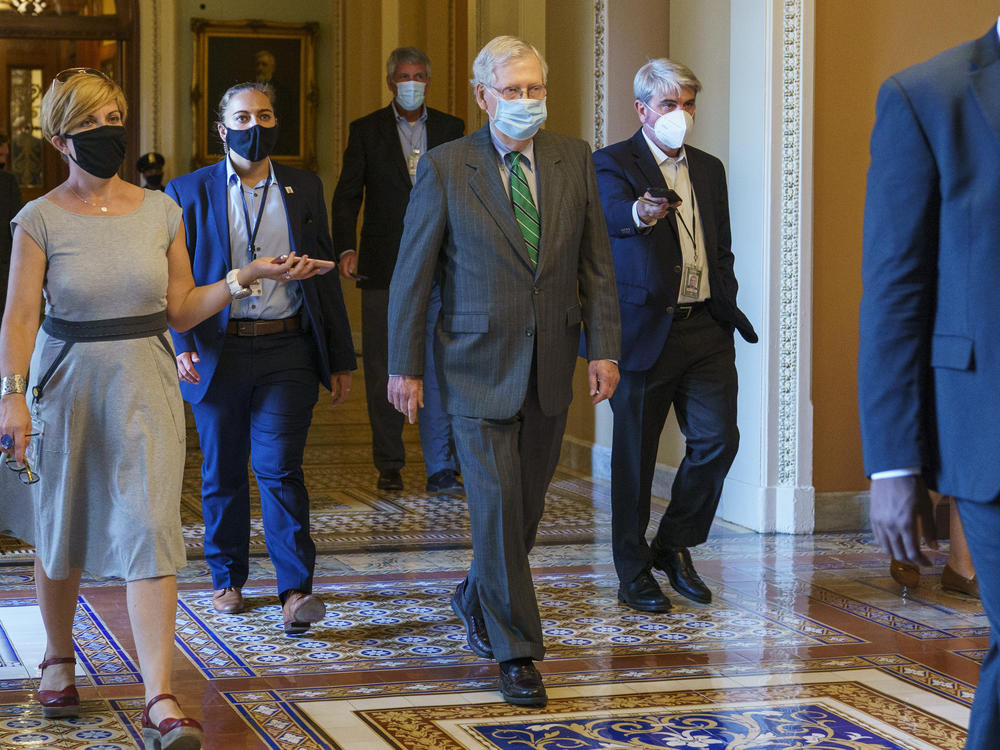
[[514, 92], [25, 473], [65, 75]]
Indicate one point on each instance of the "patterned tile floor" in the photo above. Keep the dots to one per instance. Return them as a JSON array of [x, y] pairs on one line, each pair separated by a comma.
[[808, 642]]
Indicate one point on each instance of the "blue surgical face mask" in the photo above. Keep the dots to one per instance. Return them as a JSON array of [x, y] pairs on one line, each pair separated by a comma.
[[410, 94], [519, 119]]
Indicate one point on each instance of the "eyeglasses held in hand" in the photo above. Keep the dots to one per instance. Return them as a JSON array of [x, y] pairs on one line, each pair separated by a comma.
[[24, 471]]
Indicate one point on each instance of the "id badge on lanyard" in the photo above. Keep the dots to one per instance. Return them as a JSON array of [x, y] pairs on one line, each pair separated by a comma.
[[411, 162], [256, 287], [692, 280]]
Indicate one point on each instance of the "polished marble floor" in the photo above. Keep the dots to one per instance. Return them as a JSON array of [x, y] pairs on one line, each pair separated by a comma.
[[808, 642]]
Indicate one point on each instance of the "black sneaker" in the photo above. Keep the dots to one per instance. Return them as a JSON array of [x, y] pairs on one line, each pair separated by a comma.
[[390, 479], [445, 482]]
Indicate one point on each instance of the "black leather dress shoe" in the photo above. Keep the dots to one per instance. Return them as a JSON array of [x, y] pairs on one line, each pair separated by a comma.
[[445, 482], [676, 563], [475, 628], [390, 479], [643, 594], [521, 684]]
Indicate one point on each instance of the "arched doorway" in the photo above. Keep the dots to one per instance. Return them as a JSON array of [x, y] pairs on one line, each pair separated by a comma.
[[39, 39]]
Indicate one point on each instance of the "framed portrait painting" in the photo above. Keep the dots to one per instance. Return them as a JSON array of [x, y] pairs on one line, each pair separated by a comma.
[[281, 54]]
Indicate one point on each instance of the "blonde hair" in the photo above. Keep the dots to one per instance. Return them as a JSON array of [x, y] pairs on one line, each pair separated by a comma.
[[65, 105]]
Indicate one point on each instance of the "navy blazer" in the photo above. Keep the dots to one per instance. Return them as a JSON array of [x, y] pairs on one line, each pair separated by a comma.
[[929, 357], [648, 263], [204, 201], [374, 170]]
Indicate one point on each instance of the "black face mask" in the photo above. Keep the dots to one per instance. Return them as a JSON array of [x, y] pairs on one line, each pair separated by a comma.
[[100, 151], [255, 143]]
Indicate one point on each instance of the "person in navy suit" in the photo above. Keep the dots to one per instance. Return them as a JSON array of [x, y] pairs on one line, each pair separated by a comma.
[[380, 167], [677, 295], [929, 356], [250, 372]]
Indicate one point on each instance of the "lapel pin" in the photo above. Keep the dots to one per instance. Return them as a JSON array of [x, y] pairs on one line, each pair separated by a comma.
[[288, 189]]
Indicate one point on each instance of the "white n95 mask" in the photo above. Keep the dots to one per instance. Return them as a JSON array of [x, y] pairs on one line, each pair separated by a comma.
[[672, 128]]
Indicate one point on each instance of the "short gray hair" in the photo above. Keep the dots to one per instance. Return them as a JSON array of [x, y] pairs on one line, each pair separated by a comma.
[[499, 51], [664, 75], [406, 55]]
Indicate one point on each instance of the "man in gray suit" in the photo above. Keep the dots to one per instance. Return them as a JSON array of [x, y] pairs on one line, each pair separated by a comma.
[[509, 221]]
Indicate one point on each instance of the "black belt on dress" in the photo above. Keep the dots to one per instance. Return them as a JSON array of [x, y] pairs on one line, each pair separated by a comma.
[[248, 327], [683, 312], [107, 329]]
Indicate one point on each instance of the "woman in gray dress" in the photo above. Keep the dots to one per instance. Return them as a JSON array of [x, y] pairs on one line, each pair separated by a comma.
[[100, 443]]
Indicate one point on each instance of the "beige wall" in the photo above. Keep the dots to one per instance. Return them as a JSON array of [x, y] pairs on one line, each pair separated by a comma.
[[569, 50], [636, 31], [858, 44]]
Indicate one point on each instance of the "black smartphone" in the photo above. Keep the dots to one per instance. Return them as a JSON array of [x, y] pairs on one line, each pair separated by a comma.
[[664, 192]]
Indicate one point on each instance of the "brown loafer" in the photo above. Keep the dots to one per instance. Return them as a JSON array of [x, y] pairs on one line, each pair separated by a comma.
[[300, 611], [905, 574], [228, 601], [952, 580]]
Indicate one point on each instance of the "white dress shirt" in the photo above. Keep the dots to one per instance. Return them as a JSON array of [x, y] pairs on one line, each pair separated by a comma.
[[689, 227]]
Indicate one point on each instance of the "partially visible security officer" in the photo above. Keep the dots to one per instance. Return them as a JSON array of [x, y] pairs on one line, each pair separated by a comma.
[[150, 166]]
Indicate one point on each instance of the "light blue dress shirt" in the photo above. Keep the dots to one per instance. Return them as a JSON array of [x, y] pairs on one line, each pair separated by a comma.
[[412, 139], [278, 300]]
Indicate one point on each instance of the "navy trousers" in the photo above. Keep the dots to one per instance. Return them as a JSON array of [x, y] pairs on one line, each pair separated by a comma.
[[258, 406], [981, 522], [436, 440], [696, 374]]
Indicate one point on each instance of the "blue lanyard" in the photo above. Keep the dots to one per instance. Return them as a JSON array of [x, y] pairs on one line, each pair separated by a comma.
[[246, 217]]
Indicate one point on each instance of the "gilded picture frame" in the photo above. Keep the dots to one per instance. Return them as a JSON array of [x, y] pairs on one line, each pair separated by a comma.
[[231, 52]]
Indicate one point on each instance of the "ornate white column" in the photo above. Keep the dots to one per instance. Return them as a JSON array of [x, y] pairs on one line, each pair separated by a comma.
[[770, 486]]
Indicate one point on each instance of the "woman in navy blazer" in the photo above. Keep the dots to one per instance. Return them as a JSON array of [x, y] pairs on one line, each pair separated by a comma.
[[250, 373]]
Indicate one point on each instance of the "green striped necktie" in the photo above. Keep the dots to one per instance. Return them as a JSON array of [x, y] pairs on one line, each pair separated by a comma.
[[524, 207]]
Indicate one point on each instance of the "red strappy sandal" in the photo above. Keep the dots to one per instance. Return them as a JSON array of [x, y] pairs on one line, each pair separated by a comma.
[[171, 734], [59, 704]]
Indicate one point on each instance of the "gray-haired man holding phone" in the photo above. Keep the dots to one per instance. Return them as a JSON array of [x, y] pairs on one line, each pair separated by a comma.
[[667, 211]]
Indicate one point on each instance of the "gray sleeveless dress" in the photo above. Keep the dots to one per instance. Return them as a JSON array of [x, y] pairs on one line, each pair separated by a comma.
[[111, 458]]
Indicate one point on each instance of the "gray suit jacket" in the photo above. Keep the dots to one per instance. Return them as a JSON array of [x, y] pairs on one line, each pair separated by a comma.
[[496, 311]]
